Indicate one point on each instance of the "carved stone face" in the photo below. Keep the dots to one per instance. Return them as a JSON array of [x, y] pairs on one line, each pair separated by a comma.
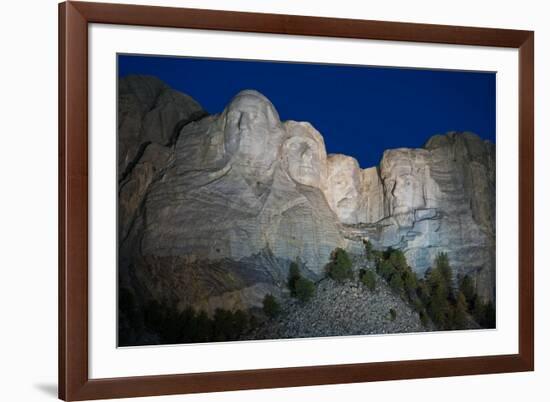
[[302, 160], [344, 194], [407, 184], [304, 155], [253, 132], [407, 193]]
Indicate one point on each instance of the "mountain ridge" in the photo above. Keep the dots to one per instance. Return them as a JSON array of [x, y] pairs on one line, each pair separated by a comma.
[[243, 186]]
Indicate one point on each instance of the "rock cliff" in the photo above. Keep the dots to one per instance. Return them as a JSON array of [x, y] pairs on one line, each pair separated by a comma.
[[440, 198], [212, 208]]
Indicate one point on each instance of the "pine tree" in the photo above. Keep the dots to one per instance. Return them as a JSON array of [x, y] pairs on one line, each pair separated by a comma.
[[271, 306], [460, 311], [305, 289], [293, 276], [339, 268]]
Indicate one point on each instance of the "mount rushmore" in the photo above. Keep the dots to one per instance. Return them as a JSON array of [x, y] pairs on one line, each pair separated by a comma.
[[213, 208]]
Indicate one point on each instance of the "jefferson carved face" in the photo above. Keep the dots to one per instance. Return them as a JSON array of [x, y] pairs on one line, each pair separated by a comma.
[[304, 155], [253, 131]]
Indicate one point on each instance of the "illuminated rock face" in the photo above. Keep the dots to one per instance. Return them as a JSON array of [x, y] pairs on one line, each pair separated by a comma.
[[345, 192], [373, 192], [253, 135], [261, 190], [304, 155], [441, 198], [213, 215]]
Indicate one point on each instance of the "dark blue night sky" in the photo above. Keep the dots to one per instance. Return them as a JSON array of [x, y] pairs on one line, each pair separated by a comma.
[[360, 111]]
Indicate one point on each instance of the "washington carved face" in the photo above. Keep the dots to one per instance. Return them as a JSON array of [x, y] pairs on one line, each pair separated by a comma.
[[252, 130]]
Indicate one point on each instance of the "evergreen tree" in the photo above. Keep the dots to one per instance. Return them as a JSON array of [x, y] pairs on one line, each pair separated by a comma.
[[398, 260], [305, 289], [410, 283], [368, 279], [490, 315], [240, 322], [223, 325], [270, 306], [442, 264], [438, 306], [203, 328], [460, 312], [369, 250], [467, 288], [293, 276], [423, 292], [339, 268], [396, 283], [386, 270]]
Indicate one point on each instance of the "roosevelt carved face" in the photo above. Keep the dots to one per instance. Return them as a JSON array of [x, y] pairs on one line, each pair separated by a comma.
[[344, 180], [304, 155], [253, 132]]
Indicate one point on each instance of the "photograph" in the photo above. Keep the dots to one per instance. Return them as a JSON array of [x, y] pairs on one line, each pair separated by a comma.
[[280, 200], [273, 200]]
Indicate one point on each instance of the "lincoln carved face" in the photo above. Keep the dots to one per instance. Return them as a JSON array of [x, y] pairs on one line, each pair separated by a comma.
[[405, 178], [406, 190], [304, 155]]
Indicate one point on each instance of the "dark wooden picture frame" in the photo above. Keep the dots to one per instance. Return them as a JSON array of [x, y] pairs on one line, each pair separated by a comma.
[[74, 381]]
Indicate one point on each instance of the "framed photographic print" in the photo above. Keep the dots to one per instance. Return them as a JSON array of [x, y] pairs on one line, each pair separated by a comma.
[[258, 200]]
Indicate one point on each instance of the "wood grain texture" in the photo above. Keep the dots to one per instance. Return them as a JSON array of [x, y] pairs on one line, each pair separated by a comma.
[[298, 25], [526, 262], [74, 382], [73, 201]]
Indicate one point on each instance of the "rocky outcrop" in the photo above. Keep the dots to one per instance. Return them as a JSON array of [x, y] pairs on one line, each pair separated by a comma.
[[212, 209], [233, 187], [342, 310], [345, 192], [150, 115], [373, 191], [441, 198], [149, 112], [242, 182]]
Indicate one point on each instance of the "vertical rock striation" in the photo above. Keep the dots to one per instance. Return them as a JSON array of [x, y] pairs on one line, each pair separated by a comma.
[[440, 198]]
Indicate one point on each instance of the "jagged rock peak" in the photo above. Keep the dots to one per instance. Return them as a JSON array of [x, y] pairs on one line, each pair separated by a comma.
[[149, 90], [441, 140], [228, 188], [146, 88], [149, 111]]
